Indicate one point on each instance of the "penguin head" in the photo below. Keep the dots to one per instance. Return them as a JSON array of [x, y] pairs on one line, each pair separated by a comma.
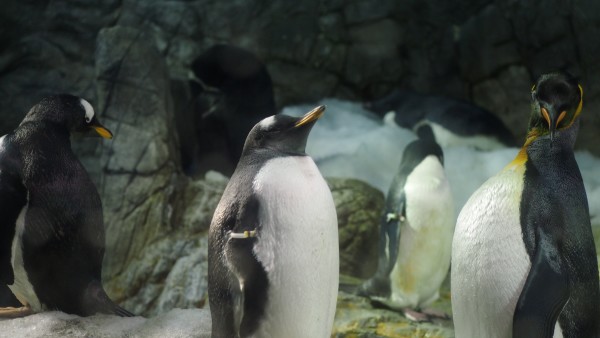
[[283, 133], [557, 102], [422, 147], [71, 112]]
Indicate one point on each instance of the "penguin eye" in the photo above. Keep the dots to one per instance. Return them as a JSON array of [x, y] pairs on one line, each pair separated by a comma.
[[88, 119]]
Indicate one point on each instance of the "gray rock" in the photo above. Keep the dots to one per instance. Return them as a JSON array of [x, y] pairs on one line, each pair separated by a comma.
[[480, 58], [358, 207]]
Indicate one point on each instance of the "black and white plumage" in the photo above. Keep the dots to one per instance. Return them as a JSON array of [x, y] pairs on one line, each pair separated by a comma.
[[415, 231], [523, 257], [273, 242], [51, 223], [454, 122]]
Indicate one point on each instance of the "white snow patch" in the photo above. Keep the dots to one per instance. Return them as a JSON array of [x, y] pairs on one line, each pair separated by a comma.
[[175, 323]]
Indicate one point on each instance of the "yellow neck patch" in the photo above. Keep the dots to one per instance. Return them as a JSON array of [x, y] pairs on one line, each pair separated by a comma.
[[521, 157]]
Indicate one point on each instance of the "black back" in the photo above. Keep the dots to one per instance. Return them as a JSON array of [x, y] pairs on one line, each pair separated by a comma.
[[63, 238], [460, 117], [563, 280]]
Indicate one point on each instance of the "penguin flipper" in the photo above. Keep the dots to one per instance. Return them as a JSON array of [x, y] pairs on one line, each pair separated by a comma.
[[544, 294]]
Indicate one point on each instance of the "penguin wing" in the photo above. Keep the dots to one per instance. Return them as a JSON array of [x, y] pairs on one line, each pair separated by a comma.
[[544, 294], [395, 212], [249, 290], [13, 197]]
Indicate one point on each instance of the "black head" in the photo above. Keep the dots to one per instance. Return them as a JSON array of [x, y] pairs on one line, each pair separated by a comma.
[[424, 146], [557, 102], [282, 132], [71, 112]]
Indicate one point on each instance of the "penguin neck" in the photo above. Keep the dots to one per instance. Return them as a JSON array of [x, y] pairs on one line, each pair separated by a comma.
[[56, 132], [538, 142]]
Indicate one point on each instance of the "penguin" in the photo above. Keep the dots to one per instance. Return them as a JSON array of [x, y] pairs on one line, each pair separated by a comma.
[[415, 233], [523, 257], [454, 122], [52, 231], [232, 91], [273, 259]]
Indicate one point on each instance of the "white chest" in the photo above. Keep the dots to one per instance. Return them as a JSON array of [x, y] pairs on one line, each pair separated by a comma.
[[21, 287], [426, 236], [298, 246], [489, 260]]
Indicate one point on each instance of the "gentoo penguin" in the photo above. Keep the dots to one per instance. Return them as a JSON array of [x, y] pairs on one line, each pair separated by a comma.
[[232, 91], [523, 257], [454, 122], [52, 231], [273, 260], [415, 232]]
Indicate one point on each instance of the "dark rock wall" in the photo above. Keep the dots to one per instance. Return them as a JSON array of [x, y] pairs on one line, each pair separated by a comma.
[[483, 50]]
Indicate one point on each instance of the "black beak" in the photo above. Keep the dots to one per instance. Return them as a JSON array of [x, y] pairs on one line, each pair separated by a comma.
[[553, 118]]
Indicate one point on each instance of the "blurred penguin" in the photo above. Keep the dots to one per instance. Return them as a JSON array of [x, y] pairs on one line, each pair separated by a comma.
[[232, 91], [454, 122], [415, 233]]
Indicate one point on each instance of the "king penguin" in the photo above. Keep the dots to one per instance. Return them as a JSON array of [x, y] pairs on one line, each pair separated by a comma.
[[415, 232], [273, 259], [51, 225], [523, 257]]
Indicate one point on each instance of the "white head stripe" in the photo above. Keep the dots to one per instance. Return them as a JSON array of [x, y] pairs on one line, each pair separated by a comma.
[[267, 122], [89, 111]]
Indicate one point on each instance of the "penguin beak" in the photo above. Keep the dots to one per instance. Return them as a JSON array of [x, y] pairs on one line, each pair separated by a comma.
[[101, 130], [311, 116], [553, 118]]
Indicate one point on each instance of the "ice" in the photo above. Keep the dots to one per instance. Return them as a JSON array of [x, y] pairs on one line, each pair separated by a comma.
[[175, 323], [349, 141]]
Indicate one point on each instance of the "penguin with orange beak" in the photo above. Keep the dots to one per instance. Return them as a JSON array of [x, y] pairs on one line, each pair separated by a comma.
[[523, 256]]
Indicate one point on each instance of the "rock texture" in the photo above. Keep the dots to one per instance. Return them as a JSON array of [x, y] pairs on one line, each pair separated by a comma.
[[358, 208], [488, 51]]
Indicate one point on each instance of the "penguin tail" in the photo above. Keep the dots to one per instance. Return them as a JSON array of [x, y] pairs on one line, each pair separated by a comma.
[[95, 300]]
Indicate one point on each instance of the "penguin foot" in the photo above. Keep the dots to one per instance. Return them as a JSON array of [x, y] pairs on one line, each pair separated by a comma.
[[426, 315], [15, 312]]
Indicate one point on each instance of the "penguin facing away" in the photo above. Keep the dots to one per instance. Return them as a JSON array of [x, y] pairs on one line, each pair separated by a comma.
[[273, 260], [523, 257], [415, 232], [454, 122], [51, 223]]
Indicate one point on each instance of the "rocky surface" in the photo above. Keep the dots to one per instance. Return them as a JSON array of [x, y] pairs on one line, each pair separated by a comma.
[[358, 208], [488, 51]]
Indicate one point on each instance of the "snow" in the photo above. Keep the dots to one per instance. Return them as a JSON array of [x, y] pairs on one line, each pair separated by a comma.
[[349, 141], [176, 323]]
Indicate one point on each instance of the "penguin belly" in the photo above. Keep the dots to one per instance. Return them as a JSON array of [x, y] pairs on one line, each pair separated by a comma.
[[22, 288], [425, 237], [298, 248], [489, 260]]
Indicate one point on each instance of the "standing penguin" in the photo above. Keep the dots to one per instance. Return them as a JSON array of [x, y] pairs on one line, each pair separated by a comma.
[[273, 259], [51, 226], [523, 261], [415, 233]]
